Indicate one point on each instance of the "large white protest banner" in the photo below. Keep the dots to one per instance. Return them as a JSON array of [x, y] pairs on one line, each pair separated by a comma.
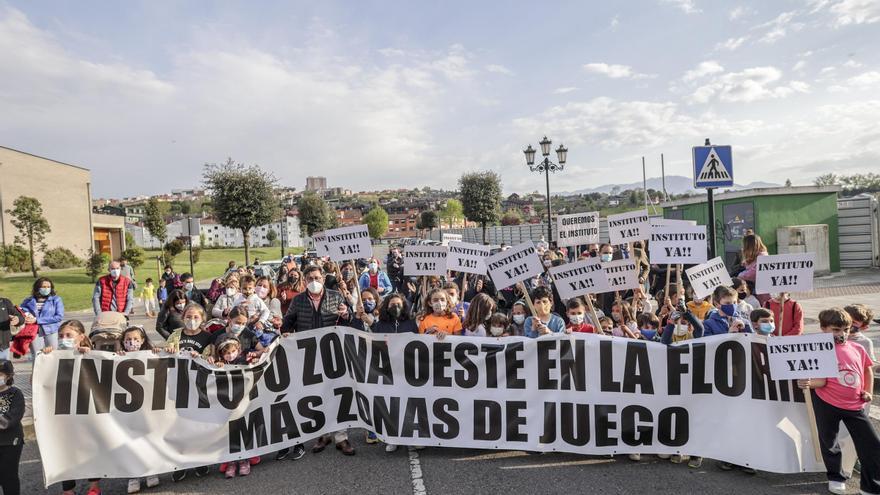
[[577, 229], [579, 278], [705, 277], [515, 265], [629, 227], [424, 260], [320, 241], [785, 273], [447, 238], [467, 257], [348, 243], [678, 244], [103, 415], [802, 356], [622, 275]]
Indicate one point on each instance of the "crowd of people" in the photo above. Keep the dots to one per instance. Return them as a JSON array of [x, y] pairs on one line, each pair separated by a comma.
[[236, 319]]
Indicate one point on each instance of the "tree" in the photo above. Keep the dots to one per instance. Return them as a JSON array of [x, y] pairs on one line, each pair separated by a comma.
[[427, 220], [243, 197], [512, 217], [481, 197], [787, 182], [315, 214], [134, 255], [27, 217], [154, 220], [271, 235], [172, 249], [826, 180], [452, 211], [96, 263], [376, 221]]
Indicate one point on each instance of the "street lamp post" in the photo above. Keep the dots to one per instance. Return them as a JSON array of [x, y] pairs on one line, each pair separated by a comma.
[[546, 166]]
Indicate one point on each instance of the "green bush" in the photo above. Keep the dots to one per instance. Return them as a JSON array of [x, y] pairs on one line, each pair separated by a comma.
[[15, 258], [61, 257], [96, 264], [134, 255]]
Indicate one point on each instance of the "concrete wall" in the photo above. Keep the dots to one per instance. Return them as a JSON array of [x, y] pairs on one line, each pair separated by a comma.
[[63, 191]]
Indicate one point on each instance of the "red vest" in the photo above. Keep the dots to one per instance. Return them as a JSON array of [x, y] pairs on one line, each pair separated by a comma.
[[107, 292]]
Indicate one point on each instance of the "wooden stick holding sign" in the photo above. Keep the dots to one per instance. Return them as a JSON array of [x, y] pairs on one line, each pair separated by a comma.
[[814, 432], [782, 315], [527, 297]]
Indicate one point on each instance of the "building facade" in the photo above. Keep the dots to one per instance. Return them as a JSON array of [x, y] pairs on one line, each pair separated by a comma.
[[214, 235]]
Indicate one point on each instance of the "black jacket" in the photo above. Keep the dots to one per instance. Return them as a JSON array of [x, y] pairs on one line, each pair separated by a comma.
[[302, 316], [168, 321], [11, 412], [395, 326]]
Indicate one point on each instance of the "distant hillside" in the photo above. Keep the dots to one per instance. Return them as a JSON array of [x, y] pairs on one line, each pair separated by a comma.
[[675, 184]]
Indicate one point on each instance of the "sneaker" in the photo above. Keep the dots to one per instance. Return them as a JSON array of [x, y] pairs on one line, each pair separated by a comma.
[[282, 454], [749, 470], [725, 466], [134, 485], [838, 487], [635, 457], [202, 471], [178, 475], [298, 451], [244, 468], [678, 458], [223, 467], [663, 456], [390, 447], [255, 460], [371, 437], [695, 462], [152, 481], [230, 470], [94, 491]]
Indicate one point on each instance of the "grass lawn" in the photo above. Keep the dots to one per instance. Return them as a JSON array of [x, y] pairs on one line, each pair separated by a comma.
[[75, 287]]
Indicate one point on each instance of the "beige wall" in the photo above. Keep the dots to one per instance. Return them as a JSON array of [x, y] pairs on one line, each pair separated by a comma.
[[62, 189]]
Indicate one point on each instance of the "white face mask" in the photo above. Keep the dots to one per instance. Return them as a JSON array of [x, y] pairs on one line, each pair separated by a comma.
[[547, 262], [374, 267], [66, 343], [681, 330], [576, 319], [132, 345], [236, 329], [519, 319], [180, 306], [496, 331], [115, 272], [438, 306], [230, 291], [315, 287], [261, 292], [188, 286], [192, 324]]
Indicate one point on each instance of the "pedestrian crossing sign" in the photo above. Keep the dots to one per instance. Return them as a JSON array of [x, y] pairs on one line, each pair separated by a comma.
[[713, 166]]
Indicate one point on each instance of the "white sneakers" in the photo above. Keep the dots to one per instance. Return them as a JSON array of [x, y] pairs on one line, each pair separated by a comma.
[[390, 448], [152, 481], [838, 487], [134, 485]]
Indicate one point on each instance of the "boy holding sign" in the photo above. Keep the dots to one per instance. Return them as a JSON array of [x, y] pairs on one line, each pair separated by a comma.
[[844, 398]]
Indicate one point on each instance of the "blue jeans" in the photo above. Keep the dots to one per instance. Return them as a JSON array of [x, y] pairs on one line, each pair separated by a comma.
[[42, 341]]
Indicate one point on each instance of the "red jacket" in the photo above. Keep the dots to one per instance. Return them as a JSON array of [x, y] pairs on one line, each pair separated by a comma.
[[582, 328], [793, 321], [106, 284]]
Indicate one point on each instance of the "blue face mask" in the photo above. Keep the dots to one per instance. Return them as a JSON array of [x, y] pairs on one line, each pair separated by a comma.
[[766, 328], [606, 257], [45, 291], [728, 309], [369, 306]]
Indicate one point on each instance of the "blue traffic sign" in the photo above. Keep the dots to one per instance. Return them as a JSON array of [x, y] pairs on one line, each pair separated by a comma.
[[713, 166]]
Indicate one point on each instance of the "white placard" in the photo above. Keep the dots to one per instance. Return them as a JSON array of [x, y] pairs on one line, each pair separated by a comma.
[[802, 357], [577, 229], [704, 278], [622, 275], [320, 241], [785, 273], [678, 244], [658, 221], [518, 263], [349, 243], [467, 257], [579, 278], [447, 238], [424, 260], [629, 227]]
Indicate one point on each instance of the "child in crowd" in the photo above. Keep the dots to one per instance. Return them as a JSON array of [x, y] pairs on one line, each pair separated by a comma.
[[671, 302], [725, 318], [792, 318], [148, 294], [683, 326], [648, 326], [481, 309], [192, 337], [226, 301], [845, 398], [459, 307], [237, 328], [576, 311], [11, 432], [518, 314], [257, 311], [861, 317], [544, 321], [499, 325], [437, 316], [162, 293], [624, 322], [699, 307], [762, 321], [742, 293], [229, 351], [607, 325]]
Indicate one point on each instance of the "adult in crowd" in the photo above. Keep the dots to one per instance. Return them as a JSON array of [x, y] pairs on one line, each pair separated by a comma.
[[316, 308], [267, 293], [9, 318], [45, 309], [291, 286], [193, 293], [394, 268], [375, 278], [171, 315], [367, 312], [113, 292], [127, 271], [171, 279], [230, 268], [395, 316]]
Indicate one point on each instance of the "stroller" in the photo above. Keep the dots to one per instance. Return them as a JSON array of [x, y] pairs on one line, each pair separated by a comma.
[[107, 330]]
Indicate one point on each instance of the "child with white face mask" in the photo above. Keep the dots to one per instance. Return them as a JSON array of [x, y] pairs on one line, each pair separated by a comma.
[[499, 325], [226, 301], [437, 317], [518, 314], [258, 313]]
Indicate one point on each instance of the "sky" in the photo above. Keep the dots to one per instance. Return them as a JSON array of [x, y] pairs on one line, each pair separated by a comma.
[[388, 94]]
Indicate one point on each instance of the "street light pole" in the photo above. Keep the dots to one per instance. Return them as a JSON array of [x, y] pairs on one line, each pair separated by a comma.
[[547, 166]]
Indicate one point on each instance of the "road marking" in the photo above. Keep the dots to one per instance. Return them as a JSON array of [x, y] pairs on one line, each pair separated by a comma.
[[496, 455], [874, 412], [415, 473], [561, 464]]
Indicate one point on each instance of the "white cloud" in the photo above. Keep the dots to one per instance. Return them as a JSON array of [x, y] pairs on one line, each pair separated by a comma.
[[565, 90], [856, 12], [704, 69], [852, 64], [864, 80], [753, 84], [615, 71], [686, 6], [739, 12], [615, 22], [799, 66], [779, 27], [731, 44], [499, 69]]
